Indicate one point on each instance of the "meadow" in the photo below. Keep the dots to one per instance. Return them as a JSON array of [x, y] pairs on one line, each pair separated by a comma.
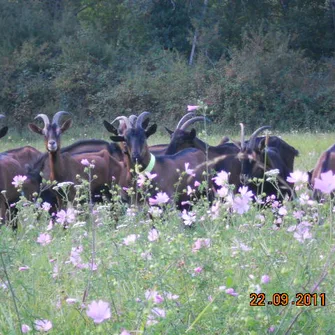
[[218, 269]]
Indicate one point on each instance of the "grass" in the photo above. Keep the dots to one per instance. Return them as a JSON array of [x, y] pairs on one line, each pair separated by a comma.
[[188, 270]]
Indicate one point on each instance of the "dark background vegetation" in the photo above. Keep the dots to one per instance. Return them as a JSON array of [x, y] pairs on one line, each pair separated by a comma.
[[256, 61]]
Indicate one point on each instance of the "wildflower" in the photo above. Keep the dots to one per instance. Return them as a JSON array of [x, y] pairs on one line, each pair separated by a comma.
[[23, 268], [265, 279], [71, 301], [43, 325], [190, 190], [198, 269], [326, 184], [282, 211], [153, 235], [240, 205], [160, 198], [272, 174], [221, 178], [171, 296], [201, 243], [196, 184], [18, 181], [271, 329], [44, 239], [297, 177], [189, 171], [66, 217], [232, 292], [98, 311], [46, 206], [155, 211], [64, 184], [55, 271], [188, 217], [302, 232], [25, 328], [191, 108], [154, 296], [159, 312], [124, 332], [86, 163], [223, 191], [130, 239]]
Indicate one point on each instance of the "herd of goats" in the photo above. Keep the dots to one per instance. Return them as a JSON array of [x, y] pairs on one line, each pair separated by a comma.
[[183, 162]]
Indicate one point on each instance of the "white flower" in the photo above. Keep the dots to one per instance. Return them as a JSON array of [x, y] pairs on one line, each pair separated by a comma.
[[18, 181]]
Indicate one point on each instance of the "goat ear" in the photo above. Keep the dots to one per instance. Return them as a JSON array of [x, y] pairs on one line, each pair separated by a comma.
[[3, 131], [152, 129], [145, 123], [169, 131], [110, 127], [66, 125], [35, 129], [117, 138], [193, 133]]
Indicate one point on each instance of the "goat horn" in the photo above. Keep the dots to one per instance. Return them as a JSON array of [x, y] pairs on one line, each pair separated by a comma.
[[193, 120], [123, 119], [184, 118], [252, 140], [44, 117], [140, 119], [242, 136], [57, 116], [132, 120]]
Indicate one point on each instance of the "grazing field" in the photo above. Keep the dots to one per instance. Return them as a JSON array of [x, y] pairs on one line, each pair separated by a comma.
[[220, 269]]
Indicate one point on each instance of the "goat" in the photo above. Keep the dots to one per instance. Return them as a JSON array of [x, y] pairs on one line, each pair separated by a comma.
[[12, 164], [326, 162], [269, 154], [167, 167], [60, 166]]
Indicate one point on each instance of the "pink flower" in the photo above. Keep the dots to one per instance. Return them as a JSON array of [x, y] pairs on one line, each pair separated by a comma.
[[160, 198], [153, 235], [190, 190], [155, 211], [23, 268], [43, 325], [191, 108], [196, 184], [282, 211], [188, 217], [326, 184], [86, 163], [265, 279], [98, 311], [44, 239], [201, 243], [154, 296], [18, 181], [241, 205], [297, 177], [223, 191], [25, 329], [198, 269], [124, 332], [232, 292], [46, 206], [66, 217], [271, 329], [130, 239], [71, 301], [189, 171], [302, 232], [221, 178]]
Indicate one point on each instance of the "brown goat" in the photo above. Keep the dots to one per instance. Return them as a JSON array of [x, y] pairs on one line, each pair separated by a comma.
[[325, 163], [62, 166]]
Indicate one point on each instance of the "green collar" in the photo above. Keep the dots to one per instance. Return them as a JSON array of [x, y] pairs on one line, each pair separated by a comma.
[[149, 167]]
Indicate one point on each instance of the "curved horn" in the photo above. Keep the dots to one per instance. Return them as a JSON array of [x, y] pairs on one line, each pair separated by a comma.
[[252, 139], [140, 119], [44, 117], [57, 116], [132, 120], [184, 118], [242, 136], [193, 120], [121, 119]]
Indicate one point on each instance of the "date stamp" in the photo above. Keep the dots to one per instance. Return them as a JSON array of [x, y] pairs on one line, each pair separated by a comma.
[[282, 299]]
